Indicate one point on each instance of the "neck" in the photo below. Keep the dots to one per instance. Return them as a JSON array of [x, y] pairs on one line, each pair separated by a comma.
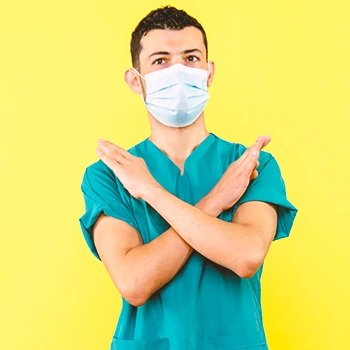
[[178, 143]]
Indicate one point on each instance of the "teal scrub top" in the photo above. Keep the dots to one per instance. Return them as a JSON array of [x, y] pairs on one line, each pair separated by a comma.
[[205, 306]]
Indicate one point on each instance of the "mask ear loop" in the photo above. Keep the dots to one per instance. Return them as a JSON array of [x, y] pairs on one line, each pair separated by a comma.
[[209, 70], [139, 74]]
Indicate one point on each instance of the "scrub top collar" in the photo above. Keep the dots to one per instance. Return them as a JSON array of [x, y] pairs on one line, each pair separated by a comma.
[[197, 153]]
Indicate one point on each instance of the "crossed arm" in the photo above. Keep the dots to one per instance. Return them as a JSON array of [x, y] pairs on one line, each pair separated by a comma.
[[138, 269]]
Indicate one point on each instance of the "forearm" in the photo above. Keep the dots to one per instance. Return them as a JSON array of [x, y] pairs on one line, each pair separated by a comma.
[[232, 245], [150, 266]]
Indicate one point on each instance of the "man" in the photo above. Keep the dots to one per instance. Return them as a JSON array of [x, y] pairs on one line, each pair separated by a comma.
[[183, 220]]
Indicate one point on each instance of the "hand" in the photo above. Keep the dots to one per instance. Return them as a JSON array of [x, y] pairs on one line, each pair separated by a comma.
[[130, 170], [236, 179]]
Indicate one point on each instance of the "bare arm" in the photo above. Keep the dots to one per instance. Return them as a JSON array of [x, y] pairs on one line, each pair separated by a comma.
[[138, 269], [240, 245]]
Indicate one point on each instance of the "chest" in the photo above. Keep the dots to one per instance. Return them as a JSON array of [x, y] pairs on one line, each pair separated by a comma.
[[197, 181]]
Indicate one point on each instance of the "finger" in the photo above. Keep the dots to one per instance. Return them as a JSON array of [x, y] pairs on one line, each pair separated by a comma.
[[267, 140], [256, 165], [109, 161], [249, 150], [260, 143], [257, 145], [100, 153], [251, 162], [109, 147], [254, 175], [247, 167], [110, 156], [251, 167]]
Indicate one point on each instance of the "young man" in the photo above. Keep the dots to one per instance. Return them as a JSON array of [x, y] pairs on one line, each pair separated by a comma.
[[183, 220]]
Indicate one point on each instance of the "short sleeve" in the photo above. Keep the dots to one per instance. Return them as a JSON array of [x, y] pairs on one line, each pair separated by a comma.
[[269, 187], [103, 193]]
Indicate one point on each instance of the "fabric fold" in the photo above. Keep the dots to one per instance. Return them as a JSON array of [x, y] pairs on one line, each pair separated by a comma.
[[113, 209]]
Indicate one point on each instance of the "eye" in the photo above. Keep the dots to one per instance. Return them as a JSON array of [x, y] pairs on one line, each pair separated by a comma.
[[192, 58], [159, 61]]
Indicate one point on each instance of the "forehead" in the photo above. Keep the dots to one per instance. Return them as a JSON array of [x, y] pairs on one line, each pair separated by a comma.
[[172, 41]]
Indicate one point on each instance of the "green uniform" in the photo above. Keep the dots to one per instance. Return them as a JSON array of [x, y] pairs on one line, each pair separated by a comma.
[[205, 306]]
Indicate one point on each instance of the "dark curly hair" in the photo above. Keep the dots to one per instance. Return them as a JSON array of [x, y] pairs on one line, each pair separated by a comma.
[[167, 17]]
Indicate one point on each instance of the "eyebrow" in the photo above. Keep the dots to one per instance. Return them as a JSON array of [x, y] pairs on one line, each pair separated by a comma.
[[166, 53]]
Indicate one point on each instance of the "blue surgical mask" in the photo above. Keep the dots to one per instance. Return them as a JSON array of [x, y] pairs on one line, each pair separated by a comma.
[[176, 96]]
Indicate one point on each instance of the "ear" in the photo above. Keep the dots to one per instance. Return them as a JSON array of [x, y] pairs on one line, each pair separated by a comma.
[[211, 65], [133, 80]]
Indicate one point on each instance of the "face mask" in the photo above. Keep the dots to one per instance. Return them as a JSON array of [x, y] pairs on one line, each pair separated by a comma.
[[176, 96]]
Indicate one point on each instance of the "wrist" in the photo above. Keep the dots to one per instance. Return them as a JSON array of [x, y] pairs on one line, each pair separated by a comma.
[[152, 192], [210, 205]]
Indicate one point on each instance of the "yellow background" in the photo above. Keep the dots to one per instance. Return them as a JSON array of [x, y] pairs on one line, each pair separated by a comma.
[[282, 69]]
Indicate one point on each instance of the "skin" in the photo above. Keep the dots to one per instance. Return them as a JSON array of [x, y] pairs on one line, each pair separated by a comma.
[[138, 269]]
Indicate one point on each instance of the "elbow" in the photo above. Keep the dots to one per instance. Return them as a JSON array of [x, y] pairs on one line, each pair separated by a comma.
[[133, 293], [135, 299], [246, 272], [248, 266]]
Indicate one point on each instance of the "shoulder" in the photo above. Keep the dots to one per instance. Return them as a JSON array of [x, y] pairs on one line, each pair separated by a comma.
[[232, 149], [100, 181], [139, 149], [97, 170]]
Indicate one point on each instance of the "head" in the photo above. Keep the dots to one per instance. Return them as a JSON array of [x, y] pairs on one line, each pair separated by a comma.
[[166, 18], [167, 37], [164, 37]]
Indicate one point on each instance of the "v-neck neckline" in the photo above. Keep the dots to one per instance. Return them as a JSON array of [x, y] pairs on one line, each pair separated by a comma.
[[200, 149]]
